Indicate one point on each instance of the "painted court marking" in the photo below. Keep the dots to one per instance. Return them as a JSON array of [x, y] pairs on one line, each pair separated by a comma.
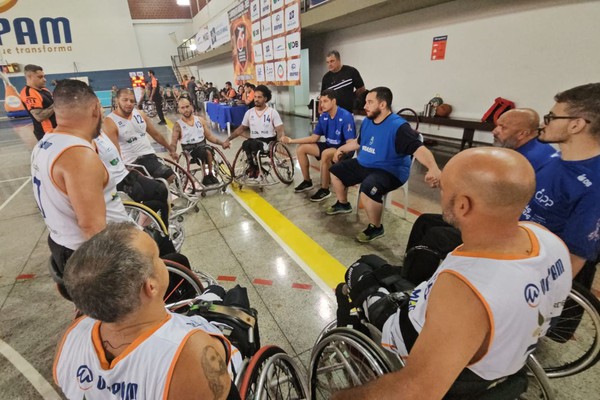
[[33, 376], [12, 196], [14, 179], [319, 265]]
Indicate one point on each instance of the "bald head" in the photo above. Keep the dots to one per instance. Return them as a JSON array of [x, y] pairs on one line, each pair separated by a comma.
[[491, 182], [516, 127]]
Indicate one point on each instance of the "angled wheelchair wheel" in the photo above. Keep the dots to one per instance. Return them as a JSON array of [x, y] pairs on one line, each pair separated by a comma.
[[184, 182], [184, 285], [538, 384], [147, 219], [221, 167], [410, 111], [345, 358], [185, 161], [572, 344], [282, 162], [273, 374], [240, 165]]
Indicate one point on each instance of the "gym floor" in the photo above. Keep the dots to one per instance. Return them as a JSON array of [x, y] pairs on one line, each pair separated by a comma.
[[283, 248]]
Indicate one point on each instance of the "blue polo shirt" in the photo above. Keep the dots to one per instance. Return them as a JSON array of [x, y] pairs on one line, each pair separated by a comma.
[[337, 130], [567, 202], [537, 153]]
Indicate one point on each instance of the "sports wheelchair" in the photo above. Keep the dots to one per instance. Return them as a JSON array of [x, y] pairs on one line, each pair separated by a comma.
[[266, 372], [149, 107], [220, 169], [169, 105], [344, 357], [277, 162]]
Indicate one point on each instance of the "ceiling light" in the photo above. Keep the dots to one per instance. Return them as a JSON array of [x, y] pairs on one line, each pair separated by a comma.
[[193, 46], [183, 2]]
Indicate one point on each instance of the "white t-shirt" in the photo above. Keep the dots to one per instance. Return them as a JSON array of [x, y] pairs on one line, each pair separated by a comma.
[[262, 124], [192, 134], [111, 158], [133, 140]]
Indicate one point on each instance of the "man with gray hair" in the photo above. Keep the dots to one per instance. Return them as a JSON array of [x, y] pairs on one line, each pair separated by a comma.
[[343, 79], [127, 341]]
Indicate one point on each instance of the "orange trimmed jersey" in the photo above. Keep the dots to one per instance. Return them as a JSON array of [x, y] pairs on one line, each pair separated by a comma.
[[34, 99]]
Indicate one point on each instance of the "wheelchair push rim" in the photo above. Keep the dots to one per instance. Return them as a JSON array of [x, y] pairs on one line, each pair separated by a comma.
[[183, 285], [282, 162]]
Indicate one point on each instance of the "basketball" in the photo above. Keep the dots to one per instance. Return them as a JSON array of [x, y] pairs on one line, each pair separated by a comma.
[[443, 110]]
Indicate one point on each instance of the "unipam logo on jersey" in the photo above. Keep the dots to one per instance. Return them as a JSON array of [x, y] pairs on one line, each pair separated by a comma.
[[120, 390], [532, 291]]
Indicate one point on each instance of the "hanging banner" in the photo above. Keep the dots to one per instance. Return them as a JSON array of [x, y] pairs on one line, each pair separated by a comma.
[[219, 31], [275, 27], [203, 40], [241, 42]]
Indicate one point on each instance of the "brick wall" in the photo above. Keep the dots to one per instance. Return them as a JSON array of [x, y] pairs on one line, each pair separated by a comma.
[[159, 9]]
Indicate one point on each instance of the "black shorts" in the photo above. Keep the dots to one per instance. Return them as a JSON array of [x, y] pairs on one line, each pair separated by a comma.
[[198, 152], [154, 166], [322, 147], [374, 182], [254, 145]]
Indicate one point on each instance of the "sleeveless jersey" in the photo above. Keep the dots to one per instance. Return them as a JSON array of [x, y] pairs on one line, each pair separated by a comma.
[[143, 371], [132, 136], [53, 203], [111, 158], [521, 296], [192, 134], [262, 124]]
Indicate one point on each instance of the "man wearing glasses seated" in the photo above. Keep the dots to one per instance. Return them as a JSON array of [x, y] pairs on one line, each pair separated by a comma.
[[568, 186]]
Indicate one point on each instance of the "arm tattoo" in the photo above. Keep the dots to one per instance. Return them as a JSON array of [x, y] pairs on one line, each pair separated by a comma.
[[214, 368]]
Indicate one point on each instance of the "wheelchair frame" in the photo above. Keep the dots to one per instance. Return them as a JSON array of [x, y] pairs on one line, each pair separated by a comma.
[[222, 170], [281, 164]]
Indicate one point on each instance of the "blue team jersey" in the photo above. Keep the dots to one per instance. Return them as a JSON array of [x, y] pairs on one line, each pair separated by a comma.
[[537, 153], [567, 202], [337, 130]]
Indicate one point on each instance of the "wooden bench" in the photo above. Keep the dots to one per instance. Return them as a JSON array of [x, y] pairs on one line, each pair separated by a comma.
[[469, 126]]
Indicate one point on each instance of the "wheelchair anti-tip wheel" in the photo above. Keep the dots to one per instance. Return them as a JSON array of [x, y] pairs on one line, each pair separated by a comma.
[[572, 343], [272, 374]]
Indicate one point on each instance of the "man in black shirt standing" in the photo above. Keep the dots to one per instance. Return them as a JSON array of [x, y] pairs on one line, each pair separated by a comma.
[[343, 79], [38, 101]]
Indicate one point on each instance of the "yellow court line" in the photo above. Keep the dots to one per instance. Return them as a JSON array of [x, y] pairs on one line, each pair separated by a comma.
[[321, 263]]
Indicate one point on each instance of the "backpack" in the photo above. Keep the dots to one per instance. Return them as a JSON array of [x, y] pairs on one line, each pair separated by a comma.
[[499, 107]]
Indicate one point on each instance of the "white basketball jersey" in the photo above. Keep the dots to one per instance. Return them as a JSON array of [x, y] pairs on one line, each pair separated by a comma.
[[192, 134], [143, 371], [111, 158], [53, 203], [520, 294], [262, 124], [132, 136]]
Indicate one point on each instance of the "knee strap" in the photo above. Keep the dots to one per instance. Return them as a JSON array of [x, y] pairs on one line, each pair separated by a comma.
[[390, 277], [384, 308]]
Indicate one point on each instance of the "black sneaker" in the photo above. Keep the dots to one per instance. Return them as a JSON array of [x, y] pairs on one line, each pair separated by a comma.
[[321, 195], [339, 208], [304, 186], [206, 180], [371, 233], [213, 180], [162, 123]]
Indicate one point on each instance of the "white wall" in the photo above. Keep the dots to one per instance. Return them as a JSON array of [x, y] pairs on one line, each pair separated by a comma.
[[525, 51], [212, 10], [158, 39], [218, 73]]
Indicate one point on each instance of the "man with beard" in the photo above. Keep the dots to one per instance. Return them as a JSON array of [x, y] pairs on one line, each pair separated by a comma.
[[387, 144], [263, 123], [194, 131], [38, 101], [127, 127], [74, 191], [479, 317]]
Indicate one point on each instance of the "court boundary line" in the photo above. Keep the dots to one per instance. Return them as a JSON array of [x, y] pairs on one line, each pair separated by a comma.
[[15, 179], [12, 196], [43, 387]]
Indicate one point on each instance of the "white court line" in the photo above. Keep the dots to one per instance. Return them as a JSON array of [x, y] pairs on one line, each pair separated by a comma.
[[33, 376], [12, 196], [308, 270], [15, 179]]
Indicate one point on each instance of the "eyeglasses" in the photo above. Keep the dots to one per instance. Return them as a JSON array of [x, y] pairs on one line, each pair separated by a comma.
[[550, 116]]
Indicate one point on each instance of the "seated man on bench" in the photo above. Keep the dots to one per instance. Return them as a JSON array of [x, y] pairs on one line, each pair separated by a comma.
[[484, 309], [386, 146], [127, 341]]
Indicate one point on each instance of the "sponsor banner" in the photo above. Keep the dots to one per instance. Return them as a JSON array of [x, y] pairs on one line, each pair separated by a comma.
[[242, 32], [203, 40], [219, 31], [314, 3], [276, 41]]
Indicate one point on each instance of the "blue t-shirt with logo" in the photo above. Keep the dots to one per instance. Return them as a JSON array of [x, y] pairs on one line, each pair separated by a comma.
[[567, 202], [337, 130], [537, 153]]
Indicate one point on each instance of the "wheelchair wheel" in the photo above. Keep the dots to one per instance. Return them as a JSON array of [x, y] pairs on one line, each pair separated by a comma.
[[272, 374], [221, 167], [150, 109], [240, 164], [282, 162], [345, 358], [410, 111], [538, 384], [184, 182], [572, 344], [144, 217], [183, 285]]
